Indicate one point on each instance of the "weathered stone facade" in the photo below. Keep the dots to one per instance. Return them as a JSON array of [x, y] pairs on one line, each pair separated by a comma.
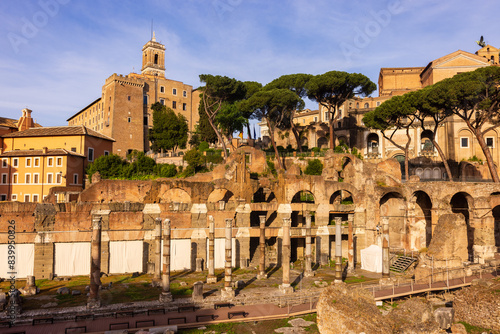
[[348, 186]]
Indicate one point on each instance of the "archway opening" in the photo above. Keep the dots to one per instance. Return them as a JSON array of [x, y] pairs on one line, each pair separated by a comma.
[[393, 206], [421, 228], [496, 216], [460, 204]]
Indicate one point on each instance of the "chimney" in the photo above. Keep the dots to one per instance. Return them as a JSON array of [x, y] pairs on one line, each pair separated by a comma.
[[25, 122]]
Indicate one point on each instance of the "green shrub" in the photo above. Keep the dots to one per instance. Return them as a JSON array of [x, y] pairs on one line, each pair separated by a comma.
[[271, 167], [314, 167], [203, 146]]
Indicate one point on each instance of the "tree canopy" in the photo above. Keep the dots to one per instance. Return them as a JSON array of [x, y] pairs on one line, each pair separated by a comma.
[[333, 88], [170, 130], [297, 84], [275, 105], [218, 91]]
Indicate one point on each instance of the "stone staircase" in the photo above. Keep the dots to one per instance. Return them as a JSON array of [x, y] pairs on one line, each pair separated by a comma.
[[402, 263]]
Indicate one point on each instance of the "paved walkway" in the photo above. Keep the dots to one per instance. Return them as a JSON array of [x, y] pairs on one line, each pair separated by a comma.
[[186, 318]]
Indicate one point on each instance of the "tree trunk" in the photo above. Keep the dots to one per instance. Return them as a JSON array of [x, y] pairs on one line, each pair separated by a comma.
[[217, 132], [297, 139], [443, 158], [332, 136], [407, 146], [487, 155], [276, 153]]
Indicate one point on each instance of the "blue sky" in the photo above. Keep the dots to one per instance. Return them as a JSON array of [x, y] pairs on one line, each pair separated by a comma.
[[56, 54]]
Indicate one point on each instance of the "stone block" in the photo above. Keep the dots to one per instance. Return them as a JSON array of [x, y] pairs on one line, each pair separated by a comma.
[[444, 316], [227, 293], [458, 329], [199, 264], [63, 291], [198, 291]]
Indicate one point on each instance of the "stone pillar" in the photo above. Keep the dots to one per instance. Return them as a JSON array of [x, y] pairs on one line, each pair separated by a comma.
[[95, 264], [350, 244], [385, 247], [322, 234], [211, 278], [227, 292], [308, 272], [157, 243], [198, 291], [285, 262], [338, 249], [262, 247], [44, 256], [166, 295]]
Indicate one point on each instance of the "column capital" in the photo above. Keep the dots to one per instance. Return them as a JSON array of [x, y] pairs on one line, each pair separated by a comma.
[[229, 222], [96, 222], [166, 223]]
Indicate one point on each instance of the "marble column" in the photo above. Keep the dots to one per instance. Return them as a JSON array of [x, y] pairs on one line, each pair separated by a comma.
[[227, 292], [95, 265], [338, 249], [157, 243], [211, 278], [166, 295], [285, 287], [350, 244], [262, 247], [308, 270], [385, 247]]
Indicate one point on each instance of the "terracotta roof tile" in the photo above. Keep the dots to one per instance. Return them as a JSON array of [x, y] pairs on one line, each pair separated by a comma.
[[29, 153], [57, 131], [8, 122]]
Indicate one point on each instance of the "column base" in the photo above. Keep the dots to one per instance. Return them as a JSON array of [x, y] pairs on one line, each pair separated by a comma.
[[337, 281], [211, 279], [309, 273], [262, 276], [286, 289], [156, 283], [227, 293], [165, 297], [93, 304]]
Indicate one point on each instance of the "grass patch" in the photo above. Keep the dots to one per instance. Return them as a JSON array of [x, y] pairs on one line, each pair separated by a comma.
[[473, 329], [179, 290], [353, 279]]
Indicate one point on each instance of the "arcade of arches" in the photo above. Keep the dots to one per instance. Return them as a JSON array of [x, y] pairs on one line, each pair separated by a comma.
[[366, 192]]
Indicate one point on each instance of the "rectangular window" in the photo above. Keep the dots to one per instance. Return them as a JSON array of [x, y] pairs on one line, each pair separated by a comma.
[[73, 149], [36, 178], [35, 198], [28, 162], [106, 153], [37, 162], [4, 178], [26, 198], [128, 97], [27, 178], [75, 178], [184, 93], [5, 163], [174, 91], [145, 99], [14, 197], [174, 105], [129, 119], [90, 155], [145, 120], [162, 101], [14, 178], [489, 142], [464, 142], [50, 178], [3, 197], [59, 161], [162, 89], [59, 178], [15, 162], [327, 116], [184, 106], [50, 162], [315, 119]]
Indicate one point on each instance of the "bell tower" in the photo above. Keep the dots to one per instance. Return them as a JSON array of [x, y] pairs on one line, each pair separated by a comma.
[[153, 58]]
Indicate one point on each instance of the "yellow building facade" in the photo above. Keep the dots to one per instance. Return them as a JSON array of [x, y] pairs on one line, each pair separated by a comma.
[[123, 112], [36, 159]]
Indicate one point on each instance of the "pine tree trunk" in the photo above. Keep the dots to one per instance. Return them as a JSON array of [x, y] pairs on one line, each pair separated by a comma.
[[487, 155], [276, 153]]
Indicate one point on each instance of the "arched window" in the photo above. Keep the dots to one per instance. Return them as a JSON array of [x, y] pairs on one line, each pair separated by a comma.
[[367, 105], [156, 59], [372, 143]]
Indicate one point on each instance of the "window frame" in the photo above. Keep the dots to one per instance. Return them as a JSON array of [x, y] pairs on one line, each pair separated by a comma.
[[174, 91], [36, 162], [50, 162], [492, 142], [5, 162], [57, 161], [15, 162], [462, 142], [14, 197], [5, 178], [90, 154], [50, 178], [27, 178], [37, 177], [27, 162], [15, 178]]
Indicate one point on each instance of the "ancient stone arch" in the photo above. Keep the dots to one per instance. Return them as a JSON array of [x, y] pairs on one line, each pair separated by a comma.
[[419, 220], [392, 205], [463, 203]]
